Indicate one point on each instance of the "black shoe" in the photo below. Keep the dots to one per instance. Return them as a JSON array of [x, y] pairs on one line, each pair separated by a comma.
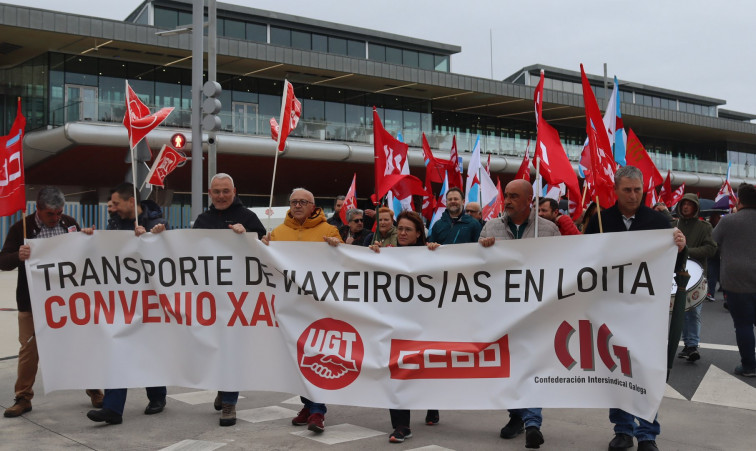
[[105, 415], [155, 407], [432, 418], [533, 437], [694, 355], [514, 428], [686, 352], [218, 403], [620, 442], [647, 445], [400, 434]]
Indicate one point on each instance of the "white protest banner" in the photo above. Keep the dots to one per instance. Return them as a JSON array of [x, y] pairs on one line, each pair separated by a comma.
[[577, 321]]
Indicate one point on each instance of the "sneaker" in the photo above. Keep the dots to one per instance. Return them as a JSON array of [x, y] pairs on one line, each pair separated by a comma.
[[301, 418], [647, 445], [533, 437], [228, 414], [155, 407], [710, 298], [218, 404], [620, 442], [95, 397], [690, 353], [738, 370], [105, 415], [400, 434], [316, 423], [432, 418], [20, 406], [514, 428]]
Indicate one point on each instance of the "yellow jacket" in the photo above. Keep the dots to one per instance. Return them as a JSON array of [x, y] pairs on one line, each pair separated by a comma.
[[314, 228]]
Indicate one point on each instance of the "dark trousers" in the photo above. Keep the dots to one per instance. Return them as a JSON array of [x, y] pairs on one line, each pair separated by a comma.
[[115, 399]]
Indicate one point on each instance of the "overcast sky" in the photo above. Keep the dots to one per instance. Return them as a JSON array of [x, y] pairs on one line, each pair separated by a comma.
[[695, 46]]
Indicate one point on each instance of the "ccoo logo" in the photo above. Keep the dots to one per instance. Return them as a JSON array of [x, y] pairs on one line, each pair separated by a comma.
[[329, 354]]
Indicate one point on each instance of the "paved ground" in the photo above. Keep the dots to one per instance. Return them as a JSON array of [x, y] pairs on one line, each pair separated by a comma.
[[706, 408]]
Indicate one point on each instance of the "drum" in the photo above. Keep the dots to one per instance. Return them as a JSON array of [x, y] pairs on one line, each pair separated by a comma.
[[695, 292]]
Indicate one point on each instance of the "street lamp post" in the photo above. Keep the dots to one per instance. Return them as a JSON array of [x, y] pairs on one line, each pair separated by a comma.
[[197, 57]]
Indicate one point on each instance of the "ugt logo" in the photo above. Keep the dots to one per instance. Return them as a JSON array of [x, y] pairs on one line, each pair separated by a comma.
[[562, 342], [329, 353]]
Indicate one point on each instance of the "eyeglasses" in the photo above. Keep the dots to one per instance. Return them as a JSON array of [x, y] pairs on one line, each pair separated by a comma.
[[302, 202], [357, 220]]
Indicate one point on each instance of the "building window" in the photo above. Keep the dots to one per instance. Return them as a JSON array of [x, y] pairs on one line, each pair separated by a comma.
[[442, 63], [234, 29], [376, 52], [337, 45], [426, 61], [166, 18], [356, 49], [257, 32], [280, 36], [301, 40], [410, 58], [319, 43]]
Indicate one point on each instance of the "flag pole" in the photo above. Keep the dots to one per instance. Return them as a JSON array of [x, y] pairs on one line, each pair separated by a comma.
[[23, 211], [134, 182], [269, 212], [585, 191], [598, 212], [538, 177]]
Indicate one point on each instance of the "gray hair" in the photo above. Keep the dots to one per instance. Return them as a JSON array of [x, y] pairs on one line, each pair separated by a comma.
[[220, 176], [302, 189], [50, 197], [352, 213], [630, 172]]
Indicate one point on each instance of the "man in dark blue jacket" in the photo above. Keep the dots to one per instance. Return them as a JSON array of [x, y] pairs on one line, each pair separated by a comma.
[[627, 215], [455, 226], [139, 216], [227, 212]]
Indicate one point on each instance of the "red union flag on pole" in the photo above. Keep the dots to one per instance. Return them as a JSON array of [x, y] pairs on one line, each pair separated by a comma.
[[12, 188], [637, 156], [138, 120], [350, 201], [524, 171], [167, 160], [291, 111], [677, 195], [555, 166], [600, 148]]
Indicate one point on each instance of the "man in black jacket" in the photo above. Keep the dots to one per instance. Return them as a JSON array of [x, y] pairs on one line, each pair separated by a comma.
[[47, 221], [227, 212], [627, 215]]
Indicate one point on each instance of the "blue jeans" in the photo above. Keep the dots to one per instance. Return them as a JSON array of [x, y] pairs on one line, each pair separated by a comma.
[[314, 407], [692, 326], [229, 397], [743, 312], [624, 423], [531, 417], [115, 398]]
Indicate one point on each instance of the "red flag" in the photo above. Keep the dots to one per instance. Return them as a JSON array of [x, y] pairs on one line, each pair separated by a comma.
[[602, 182], [488, 165], [494, 209], [291, 111], [637, 156], [138, 120], [651, 196], [455, 177], [167, 160], [350, 201], [666, 191], [555, 166], [435, 169], [601, 176], [524, 171], [390, 155], [12, 188], [677, 195]]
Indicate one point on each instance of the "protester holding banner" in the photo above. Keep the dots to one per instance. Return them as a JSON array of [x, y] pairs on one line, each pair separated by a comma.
[[734, 235], [226, 211], [386, 233], [306, 222], [517, 222], [700, 248], [47, 221], [139, 216], [455, 226], [411, 232], [629, 214], [150, 218]]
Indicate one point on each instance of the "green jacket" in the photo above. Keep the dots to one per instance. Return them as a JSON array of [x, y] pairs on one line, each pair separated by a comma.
[[697, 233]]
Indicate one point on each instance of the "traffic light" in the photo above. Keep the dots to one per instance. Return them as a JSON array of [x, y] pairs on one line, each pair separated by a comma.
[[178, 141], [211, 106]]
